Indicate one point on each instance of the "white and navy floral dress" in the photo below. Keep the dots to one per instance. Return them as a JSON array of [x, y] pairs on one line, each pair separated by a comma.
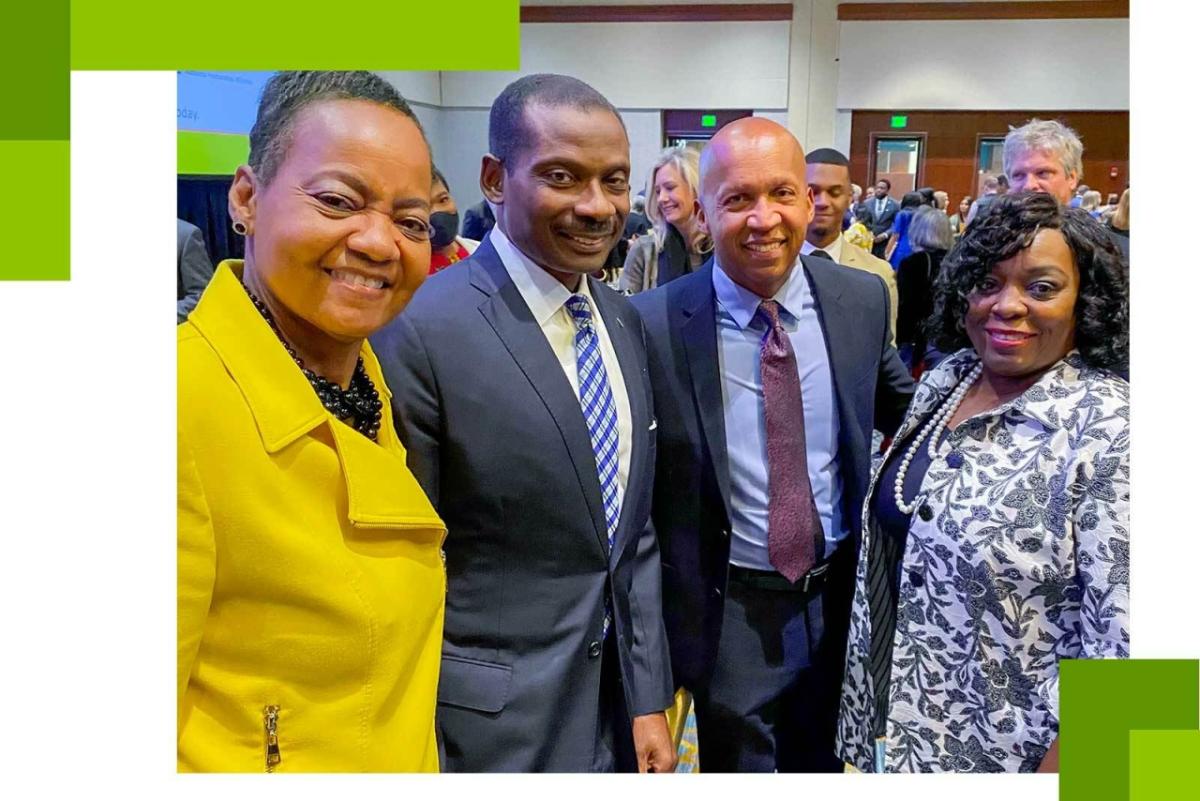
[[1018, 557]]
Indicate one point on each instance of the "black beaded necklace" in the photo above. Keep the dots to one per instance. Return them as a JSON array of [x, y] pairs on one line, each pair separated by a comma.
[[359, 403]]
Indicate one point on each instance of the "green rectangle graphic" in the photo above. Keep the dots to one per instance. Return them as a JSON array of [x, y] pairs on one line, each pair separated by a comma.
[[1105, 699], [37, 238], [202, 153], [35, 78], [302, 34], [1164, 764]]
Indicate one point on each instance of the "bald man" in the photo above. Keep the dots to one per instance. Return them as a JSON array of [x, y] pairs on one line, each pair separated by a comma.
[[769, 371]]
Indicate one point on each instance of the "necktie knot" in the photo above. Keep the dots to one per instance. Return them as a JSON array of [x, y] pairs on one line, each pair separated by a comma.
[[770, 312], [820, 254], [580, 311]]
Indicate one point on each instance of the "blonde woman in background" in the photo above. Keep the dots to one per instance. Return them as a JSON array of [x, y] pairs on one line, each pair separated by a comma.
[[1091, 202], [1119, 222], [958, 222], [675, 245]]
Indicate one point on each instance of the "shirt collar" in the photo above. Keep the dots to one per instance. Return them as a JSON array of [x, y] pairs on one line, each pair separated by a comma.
[[543, 293], [834, 249], [742, 305]]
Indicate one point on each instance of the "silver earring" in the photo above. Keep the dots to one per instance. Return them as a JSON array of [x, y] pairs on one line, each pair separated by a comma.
[[239, 227]]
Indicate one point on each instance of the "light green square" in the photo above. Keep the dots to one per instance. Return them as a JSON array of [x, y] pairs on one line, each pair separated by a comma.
[[1164, 765], [37, 235]]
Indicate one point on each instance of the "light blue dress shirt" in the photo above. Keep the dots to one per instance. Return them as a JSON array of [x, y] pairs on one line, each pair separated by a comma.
[[740, 331]]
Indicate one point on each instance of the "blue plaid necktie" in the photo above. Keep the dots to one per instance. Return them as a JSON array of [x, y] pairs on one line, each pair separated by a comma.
[[599, 412]]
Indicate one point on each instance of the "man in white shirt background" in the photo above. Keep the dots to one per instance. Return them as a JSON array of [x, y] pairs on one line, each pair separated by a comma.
[[828, 175]]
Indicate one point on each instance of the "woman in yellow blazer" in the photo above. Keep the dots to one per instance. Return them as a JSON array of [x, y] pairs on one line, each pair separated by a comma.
[[311, 584]]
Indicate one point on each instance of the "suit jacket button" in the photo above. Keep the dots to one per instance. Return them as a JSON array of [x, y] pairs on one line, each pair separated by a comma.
[[916, 579], [925, 513], [725, 533], [594, 649]]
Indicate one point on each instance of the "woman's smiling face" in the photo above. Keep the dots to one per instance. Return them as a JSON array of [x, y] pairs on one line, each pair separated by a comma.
[[1021, 318], [339, 237]]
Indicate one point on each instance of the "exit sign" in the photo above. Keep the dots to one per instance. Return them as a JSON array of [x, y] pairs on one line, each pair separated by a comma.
[[899, 121], [708, 121]]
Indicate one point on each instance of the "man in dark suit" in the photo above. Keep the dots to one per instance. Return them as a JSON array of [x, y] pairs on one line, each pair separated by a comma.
[[478, 221], [522, 397], [883, 213], [769, 371], [193, 267]]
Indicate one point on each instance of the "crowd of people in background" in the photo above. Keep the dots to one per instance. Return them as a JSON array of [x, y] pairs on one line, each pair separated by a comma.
[[847, 474]]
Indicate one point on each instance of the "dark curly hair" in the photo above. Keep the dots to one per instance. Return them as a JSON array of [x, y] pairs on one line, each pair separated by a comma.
[[1008, 227], [288, 93]]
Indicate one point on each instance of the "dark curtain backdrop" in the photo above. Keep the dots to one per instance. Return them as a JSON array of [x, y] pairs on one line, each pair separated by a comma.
[[204, 202]]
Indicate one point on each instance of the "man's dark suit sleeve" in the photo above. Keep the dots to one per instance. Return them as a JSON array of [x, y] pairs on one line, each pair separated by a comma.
[[653, 687], [894, 387], [415, 403], [195, 271]]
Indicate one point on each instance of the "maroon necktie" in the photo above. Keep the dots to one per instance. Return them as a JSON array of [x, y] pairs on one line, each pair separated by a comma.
[[793, 527]]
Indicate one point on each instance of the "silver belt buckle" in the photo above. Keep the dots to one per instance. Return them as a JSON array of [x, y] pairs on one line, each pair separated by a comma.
[[814, 573]]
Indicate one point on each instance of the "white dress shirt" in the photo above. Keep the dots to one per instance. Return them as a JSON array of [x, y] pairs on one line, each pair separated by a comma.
[[834, 249], [740, 331], [546, 298]]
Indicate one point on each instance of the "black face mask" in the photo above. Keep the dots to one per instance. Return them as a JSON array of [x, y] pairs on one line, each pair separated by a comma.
[[445, 228]]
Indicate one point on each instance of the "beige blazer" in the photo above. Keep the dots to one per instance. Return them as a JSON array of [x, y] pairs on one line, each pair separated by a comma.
[[854, 256]]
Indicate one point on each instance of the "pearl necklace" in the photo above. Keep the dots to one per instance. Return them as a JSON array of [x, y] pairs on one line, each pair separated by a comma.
[[933, 429]]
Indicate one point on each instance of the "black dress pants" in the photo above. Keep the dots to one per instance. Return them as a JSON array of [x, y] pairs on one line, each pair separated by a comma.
[[772, 701]]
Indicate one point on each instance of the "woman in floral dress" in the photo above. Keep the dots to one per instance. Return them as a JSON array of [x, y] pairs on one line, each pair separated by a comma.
[[996, 532]]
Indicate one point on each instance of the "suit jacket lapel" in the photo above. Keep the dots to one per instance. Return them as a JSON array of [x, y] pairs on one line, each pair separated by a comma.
[[841, 339], [694, 314], [624, 333], [506, 311]]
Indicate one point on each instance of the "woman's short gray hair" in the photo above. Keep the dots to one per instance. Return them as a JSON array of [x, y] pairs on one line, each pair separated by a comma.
[[1045, 136], [930, 230]]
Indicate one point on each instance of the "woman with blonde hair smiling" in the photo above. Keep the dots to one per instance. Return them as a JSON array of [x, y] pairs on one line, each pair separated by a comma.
[[677, 245], [311, 590]]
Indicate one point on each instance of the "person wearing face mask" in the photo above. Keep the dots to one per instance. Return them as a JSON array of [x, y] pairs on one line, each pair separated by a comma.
[[996, 539], [676, 245], [448, 247]]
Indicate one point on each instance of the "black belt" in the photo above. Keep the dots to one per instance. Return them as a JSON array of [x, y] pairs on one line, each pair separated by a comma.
[[810, 582]]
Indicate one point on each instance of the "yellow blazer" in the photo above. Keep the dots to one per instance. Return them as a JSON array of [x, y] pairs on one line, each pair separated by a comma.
[[309, 565]]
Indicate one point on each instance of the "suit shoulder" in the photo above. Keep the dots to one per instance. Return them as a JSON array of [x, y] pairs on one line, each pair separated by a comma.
[[856, 285], [445, 288], [831, 272], [615, 301], [876, 264], [654, 304]]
